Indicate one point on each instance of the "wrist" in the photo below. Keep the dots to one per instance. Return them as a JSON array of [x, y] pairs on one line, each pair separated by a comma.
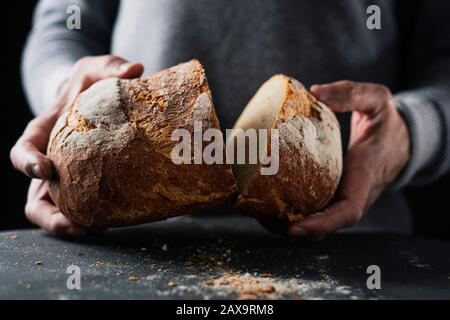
[[424, 132]]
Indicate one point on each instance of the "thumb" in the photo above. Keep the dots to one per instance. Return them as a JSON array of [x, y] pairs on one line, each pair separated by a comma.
[[348, 96], [27, 155], [129, 70]]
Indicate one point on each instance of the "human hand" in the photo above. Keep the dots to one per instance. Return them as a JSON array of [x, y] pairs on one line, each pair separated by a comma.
[[379, 148], [28, 154]]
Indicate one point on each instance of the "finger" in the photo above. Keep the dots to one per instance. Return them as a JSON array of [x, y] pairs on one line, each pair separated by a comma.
[[281, 230], [348, 96], [131, 70], [338, 216], [28, 154], [93, 69], [46, 215], [89, 70], [40, 210], [118, 67], [351, 199]]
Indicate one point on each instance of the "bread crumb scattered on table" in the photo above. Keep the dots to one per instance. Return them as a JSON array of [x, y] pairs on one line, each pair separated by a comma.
[[133, 278]]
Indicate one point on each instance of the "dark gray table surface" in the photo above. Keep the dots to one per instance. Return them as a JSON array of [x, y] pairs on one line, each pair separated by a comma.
[[185, 258]]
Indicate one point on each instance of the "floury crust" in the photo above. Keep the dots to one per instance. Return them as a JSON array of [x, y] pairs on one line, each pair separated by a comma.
[[112, 151]]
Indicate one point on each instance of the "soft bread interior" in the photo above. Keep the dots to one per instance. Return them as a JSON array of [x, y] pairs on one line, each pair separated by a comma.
[[260, 113]]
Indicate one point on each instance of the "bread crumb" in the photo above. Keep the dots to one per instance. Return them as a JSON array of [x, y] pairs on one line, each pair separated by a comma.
[[133, 278], [266, 275], [323, 270], [247, 296], [266, 289], [172, 284], [209, 282]]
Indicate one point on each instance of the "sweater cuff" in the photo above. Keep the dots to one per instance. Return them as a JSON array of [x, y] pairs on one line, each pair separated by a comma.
[[52, 86], [425, 132]]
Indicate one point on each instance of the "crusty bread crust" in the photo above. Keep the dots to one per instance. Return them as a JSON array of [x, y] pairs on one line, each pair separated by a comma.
[[310, 161], [112, 151]]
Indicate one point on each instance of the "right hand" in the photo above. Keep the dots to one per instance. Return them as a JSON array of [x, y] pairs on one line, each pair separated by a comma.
[[28, 154]]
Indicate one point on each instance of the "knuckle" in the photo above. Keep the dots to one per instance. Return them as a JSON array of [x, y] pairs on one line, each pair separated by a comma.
[[87, 69]]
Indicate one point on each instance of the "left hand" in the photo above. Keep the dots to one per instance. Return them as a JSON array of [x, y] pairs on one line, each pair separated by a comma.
[[29, 156], [379, 149]]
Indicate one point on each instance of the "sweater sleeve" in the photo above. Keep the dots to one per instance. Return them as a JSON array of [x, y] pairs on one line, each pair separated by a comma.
[[52, 48], [424, 98]]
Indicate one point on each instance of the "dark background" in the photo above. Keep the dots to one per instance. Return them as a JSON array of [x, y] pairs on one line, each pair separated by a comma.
[[430, 204]]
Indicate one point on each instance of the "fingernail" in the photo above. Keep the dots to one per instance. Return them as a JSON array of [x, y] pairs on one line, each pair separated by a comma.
[[36, 171], [297, 231]]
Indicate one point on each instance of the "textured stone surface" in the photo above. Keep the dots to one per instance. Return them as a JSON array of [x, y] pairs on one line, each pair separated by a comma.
[[173, 259]]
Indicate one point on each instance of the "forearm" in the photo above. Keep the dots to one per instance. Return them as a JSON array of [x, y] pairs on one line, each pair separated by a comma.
[[424, 91], [52, 48]]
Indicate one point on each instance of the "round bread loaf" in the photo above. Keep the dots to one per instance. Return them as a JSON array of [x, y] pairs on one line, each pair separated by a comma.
[[112, 151], [310, 153]]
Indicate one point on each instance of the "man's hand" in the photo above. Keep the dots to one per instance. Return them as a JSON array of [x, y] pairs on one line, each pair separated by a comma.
[[378, 151], [28, 154]]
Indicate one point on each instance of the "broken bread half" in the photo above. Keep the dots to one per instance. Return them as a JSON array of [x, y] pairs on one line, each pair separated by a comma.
[[309, 153], [112, 151]]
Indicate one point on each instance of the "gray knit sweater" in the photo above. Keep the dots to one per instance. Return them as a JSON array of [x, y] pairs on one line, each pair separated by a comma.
[[243, 42]]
